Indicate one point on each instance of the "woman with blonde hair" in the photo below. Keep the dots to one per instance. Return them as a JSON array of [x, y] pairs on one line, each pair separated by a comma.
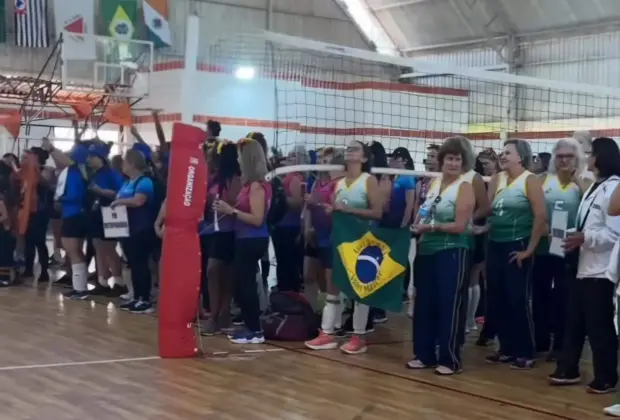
[[251, 236]]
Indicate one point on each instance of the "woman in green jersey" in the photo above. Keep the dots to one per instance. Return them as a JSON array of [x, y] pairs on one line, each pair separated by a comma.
[[442, 263], [551, 272], [517, 222]]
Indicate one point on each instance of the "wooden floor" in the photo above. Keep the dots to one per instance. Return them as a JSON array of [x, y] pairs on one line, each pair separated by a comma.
[[63, 360]]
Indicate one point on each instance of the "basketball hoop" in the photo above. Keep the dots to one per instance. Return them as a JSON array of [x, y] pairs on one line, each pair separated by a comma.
[[130, 65]]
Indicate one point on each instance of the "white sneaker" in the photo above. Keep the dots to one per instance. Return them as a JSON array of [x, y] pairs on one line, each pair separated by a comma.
[[127, 296], [612, 410]]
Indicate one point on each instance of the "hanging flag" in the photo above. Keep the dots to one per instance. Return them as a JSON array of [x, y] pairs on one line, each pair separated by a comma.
[[76, 20], [31, 23], [119, 18], [156, 21], [369, 262]]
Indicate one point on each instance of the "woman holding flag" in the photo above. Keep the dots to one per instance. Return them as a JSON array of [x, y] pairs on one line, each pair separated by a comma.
[[357, 196], [442, 263]]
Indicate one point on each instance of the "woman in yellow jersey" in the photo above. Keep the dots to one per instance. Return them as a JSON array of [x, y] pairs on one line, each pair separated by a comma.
[[517, 222], [442, 263], [357, 193], [551, 273]]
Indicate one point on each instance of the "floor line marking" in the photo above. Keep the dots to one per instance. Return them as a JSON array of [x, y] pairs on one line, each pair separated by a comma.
[[93, 362]]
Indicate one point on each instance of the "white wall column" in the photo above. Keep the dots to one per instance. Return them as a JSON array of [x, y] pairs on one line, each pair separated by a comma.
[[188, 76]]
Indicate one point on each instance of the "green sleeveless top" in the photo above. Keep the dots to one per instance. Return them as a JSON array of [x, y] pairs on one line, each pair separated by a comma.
[[558, 197], [354, 195], [441, 208], [512, 217]]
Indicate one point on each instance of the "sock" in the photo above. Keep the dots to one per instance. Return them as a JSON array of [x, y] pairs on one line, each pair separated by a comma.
[[360, 317], [265, 265], [311, 293], [102, 281], [57, 254], [338, 321], [472, 304], [129, 285], [80, 277], [330, 313], [117, 280]]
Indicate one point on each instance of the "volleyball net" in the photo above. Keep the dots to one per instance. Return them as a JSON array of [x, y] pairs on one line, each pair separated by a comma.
[[325, 95]]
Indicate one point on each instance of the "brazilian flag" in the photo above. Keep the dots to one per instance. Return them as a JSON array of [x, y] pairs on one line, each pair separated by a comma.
[[369, 262]]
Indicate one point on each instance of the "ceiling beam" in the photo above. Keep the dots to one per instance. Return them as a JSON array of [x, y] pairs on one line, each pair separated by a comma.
[[498, 14], [577, 29], [399, 4]]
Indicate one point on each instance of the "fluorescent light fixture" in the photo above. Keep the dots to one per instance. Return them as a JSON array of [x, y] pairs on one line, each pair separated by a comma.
[[245, 73]]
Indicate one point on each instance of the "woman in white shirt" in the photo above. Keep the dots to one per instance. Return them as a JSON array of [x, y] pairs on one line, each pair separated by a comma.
[[590, 303]]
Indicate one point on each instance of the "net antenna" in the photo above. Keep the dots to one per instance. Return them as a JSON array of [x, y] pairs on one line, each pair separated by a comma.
[[327, 95]]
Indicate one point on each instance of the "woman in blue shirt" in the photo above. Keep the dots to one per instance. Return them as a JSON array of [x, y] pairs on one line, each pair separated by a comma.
[[71, 193], [138, 195], [103, 186]]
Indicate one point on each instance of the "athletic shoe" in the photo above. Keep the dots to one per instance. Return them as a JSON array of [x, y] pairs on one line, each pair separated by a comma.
[[499, 358], [612, 410], [238, 320], [355, 345], [600, 388], [247, 337], [561, 377], [142, 307], [209, 328], [128, 306], [323, 341], [523, 364], [75, 295]]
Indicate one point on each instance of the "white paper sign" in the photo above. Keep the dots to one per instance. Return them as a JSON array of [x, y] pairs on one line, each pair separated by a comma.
[[61, 183], [559, 225], [115, 222]]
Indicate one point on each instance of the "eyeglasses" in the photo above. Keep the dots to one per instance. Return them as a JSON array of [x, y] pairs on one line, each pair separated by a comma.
[[561, 157]]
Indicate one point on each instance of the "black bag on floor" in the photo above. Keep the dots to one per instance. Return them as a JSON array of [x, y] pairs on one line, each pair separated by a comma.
[[290, 318]]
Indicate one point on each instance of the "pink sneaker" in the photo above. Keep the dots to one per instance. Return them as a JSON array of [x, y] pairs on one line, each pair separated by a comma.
[[324, 341], [355, 345]]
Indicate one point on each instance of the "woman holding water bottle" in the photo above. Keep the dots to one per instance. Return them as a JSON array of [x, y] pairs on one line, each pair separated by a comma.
[[225, 186], [590, 310], [442, 263]]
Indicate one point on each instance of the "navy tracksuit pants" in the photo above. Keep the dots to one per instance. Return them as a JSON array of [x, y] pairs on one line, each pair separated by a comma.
[[510, 290], [551, 276], [439, 309]]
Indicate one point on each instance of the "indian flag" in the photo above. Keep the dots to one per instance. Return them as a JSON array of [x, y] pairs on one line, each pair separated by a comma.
[[156, 20]]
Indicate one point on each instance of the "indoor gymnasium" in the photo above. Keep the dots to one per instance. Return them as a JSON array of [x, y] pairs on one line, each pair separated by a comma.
[[309, 210]]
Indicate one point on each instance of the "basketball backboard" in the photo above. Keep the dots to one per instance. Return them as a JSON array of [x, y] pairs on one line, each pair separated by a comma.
[[101, 63]]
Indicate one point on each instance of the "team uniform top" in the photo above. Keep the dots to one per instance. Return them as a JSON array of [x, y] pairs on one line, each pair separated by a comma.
[[441, 208], [354, 195], [559, 197], [512, 217]]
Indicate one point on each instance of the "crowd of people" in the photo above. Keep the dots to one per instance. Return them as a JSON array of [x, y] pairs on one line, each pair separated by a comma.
[[528, 242]]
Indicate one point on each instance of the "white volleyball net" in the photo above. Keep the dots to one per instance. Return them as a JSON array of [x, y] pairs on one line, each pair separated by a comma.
[[325, 95]]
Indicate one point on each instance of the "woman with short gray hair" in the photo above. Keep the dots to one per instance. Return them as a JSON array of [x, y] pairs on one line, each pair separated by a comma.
[[518, 221], [551, 273]]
